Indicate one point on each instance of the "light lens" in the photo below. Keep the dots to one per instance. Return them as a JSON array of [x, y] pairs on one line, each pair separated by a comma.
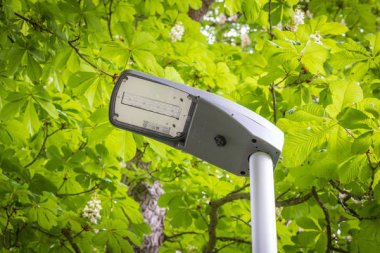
[[152, 106]]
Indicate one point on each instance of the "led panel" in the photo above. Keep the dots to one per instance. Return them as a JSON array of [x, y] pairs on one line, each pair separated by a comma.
[[153, 107]]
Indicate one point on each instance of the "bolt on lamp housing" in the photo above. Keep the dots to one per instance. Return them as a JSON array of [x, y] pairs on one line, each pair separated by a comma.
[[210, 127]]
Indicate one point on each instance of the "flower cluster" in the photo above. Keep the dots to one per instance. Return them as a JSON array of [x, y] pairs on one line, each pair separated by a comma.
[[222, 18], [177, 32], [245, 40], [316, 37], [92, 210], [299, 18]]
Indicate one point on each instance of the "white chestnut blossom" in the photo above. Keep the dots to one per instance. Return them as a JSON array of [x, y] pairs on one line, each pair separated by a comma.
[[316, 37], [222, 18], [309, 15], [177, 31], [92, 210], [245, 40], [299, 18], [233, 18]]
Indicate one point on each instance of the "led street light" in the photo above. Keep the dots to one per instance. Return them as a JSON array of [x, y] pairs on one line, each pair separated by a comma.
[[210, 127]]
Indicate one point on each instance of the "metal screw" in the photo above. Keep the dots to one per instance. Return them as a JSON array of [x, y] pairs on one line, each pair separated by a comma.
[[220, 140]]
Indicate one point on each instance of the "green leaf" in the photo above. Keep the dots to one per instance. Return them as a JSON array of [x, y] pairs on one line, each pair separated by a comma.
[[351, 168], [301, 141], [314, 57], [172, 74], [11, 109], [181, 218], [146, 60], [353, 119], [332, 28], [376, 45], [233, 6], [346, 93], [14, 59], [91, 92], [34, 69], [44, 212], [48, 107], [251, 10], [362, 143], [338, 144], [195, 4], [308, 223], [346, 58], [376, 144], [122, 144], [369, 236], [309, 112], [112, 236], [31, 119], [153, 6]]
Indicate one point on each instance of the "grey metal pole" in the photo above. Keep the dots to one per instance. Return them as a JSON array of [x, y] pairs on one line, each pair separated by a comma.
[[263, 216]]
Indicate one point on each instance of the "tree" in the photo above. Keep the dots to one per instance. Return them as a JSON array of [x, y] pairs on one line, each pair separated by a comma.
[[70, 182]]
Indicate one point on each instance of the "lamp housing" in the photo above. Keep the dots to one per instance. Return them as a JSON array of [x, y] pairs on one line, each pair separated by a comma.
[[203, 124]]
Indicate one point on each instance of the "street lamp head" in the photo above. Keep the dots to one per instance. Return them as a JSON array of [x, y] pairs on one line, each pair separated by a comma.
[[208, 126]]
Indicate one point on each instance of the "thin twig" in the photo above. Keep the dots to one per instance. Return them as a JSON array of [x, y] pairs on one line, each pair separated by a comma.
[[274, 102], [322, 205], [240, 189], [294, 201], [109, 19], [61, 195], [71, 44], [223, 247], [373, 172], [45, 232], [214, 206], [283, 194], [233, 239], [43, 146], [40, 27], [67, 233], [270, 20], [240, 219], [34, 24], [327, 218], [171, 237]]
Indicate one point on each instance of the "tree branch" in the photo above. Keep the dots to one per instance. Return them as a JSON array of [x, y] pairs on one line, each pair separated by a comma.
[[233, 239], [240, 219], [67, 233], [71, 44], [43, 146], [373, 172], [322, 205], [171, 237], [61, 195], [274, 102], [197, 15], [344, 196], [214, 206], [45, 232], [270, 20], [294, 201], [40, 27], [35, 25], [327, 218], [240, 189], [109, 19]]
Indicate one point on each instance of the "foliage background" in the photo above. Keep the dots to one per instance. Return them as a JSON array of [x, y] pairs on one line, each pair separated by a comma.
[[318, 81]]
